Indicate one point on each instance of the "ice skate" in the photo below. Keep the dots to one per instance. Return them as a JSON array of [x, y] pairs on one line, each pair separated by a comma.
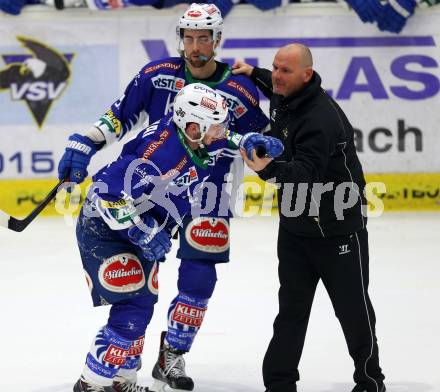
[[169, 370], [83, 386], [128, 382], [128, 386]]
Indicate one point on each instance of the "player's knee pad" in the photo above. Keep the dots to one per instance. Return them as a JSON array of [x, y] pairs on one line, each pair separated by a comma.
[[107, 354], [197, 278], [129, 318]]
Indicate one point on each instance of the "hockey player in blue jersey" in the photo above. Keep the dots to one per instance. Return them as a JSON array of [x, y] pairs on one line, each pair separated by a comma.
[[125, 225], [148, 97]]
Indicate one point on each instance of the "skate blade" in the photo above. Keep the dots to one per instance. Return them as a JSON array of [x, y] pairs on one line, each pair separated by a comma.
[[160, 386]]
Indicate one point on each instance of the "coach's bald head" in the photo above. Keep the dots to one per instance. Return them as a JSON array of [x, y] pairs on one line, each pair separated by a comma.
[[292, 69]]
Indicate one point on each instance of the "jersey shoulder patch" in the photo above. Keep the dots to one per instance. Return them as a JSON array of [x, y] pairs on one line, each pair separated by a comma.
[[168, 65], [241, 86]]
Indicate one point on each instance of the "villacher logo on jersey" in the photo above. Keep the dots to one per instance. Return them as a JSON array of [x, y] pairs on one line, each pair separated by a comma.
[[122, 273], [153, 279], [208, 234]]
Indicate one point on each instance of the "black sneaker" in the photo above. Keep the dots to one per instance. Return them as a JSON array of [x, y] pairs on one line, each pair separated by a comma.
[[170, 369]]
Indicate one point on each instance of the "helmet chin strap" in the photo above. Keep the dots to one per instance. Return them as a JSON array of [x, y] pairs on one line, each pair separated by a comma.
[[198, 140]]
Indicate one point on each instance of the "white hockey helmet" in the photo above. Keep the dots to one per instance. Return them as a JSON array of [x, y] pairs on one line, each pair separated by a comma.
[[200, 16], [200, 104]]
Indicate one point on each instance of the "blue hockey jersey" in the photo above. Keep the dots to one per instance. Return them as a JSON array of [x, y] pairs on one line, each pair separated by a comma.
[[150, 95], [158, 174]]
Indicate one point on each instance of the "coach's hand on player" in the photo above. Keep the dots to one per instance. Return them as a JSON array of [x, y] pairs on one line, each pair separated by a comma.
[[256, 164], [154, 241], [240, 67], [76, 158]]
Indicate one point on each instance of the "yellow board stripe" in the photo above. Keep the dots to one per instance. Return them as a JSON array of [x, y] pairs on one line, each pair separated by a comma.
[[404, 192]]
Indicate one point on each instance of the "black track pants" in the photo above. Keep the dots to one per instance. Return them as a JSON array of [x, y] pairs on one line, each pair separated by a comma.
[[342, 264]]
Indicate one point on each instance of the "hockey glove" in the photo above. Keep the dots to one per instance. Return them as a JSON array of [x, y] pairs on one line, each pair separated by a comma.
[[395, 14], [368, 10], [264, 145], [76, 158], [154, 242], [12, 7]]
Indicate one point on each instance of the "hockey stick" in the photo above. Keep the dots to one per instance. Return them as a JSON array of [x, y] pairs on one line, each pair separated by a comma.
[[19, 225]]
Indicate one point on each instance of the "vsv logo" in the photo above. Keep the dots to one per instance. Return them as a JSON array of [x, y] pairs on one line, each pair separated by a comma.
[[36, 91], [410, 75], [38, 78]]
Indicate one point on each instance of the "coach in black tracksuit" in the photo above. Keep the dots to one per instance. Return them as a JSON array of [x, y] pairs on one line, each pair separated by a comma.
[[322, 231]]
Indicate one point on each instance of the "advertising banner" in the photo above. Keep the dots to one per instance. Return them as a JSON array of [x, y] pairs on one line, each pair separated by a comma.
[[59, 74]]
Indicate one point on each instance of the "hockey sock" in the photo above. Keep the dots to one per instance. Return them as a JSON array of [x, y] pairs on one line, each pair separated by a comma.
[[196, 284], [107, 354], [128, 370], [129, 319], [185, 317]]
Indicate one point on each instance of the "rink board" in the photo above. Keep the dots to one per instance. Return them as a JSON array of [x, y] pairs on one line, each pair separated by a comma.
[[388, 85], [404, 192]]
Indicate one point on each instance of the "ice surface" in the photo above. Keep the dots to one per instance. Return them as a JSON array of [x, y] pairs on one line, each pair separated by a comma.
[[47, 321]]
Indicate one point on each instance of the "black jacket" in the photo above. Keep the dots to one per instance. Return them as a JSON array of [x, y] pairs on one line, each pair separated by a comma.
[[318, 149]]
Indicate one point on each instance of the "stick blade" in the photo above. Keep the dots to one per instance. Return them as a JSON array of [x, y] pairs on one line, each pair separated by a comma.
[[12, 223], [18, 225]]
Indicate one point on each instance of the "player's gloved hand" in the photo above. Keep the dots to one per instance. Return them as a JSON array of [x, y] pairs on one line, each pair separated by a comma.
[[395, 14], [76, 158], [12, 7], [155, 243], [368, 10], [264, 145]]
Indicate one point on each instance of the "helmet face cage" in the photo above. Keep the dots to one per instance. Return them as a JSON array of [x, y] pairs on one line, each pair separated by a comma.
[[200, 17], [200, 104]]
